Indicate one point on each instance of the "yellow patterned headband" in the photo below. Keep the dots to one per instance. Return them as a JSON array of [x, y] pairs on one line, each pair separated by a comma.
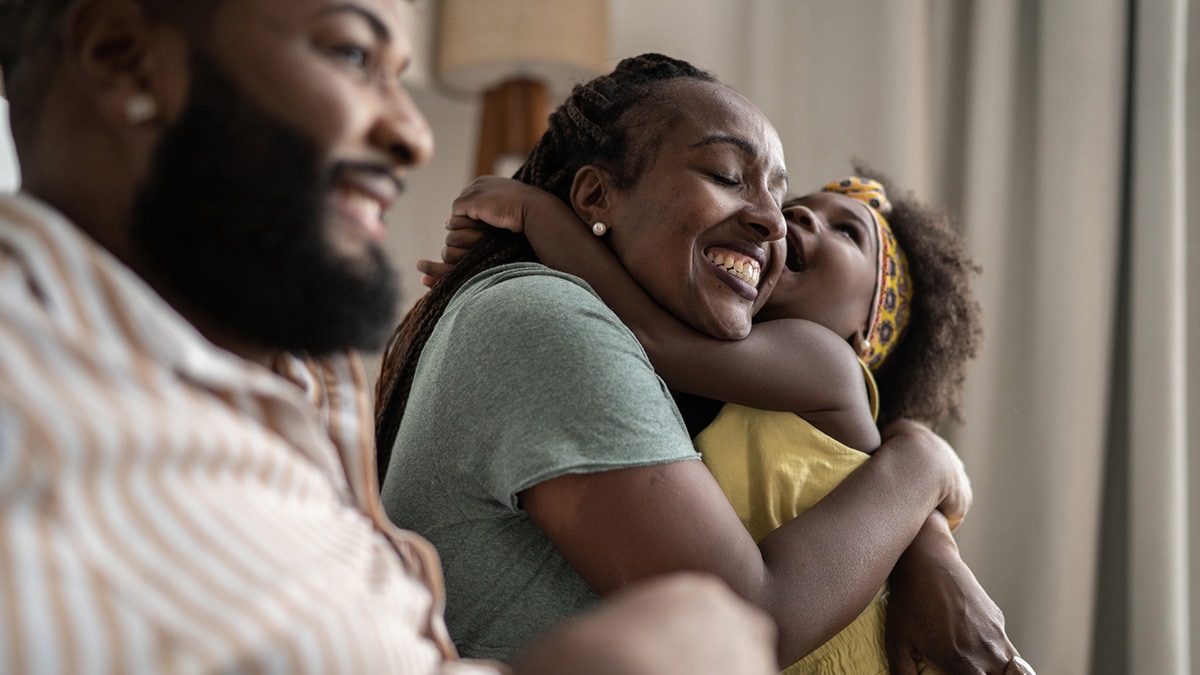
[[893, 285]]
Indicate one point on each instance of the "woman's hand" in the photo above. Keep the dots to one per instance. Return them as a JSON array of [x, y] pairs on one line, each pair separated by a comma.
[[956, 495], [490, 202], [939, 613]]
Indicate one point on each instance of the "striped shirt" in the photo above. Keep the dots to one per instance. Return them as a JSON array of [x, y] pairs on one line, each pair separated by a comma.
[[167, 507]]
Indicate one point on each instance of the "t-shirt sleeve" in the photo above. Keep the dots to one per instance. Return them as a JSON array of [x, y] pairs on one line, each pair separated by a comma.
[[550, 382]]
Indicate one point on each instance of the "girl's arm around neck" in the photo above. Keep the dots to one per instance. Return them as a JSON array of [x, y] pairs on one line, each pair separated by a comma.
[[787, 365]]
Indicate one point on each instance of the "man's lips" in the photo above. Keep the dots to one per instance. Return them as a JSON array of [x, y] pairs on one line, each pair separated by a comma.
[[364, 197], [364, 209]]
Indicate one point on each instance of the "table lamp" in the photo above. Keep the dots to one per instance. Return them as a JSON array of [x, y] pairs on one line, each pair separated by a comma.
[[514, 52]]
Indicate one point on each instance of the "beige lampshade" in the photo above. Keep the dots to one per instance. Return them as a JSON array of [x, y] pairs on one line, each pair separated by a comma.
[[482, 43]]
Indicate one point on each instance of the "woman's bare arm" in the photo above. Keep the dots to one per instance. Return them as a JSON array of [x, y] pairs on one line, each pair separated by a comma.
[[939, 613], [813, 575]]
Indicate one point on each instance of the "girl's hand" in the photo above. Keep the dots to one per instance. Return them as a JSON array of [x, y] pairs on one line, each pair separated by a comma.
[[461, 234], [956, 496], [938, 612], [491, 202], [498, 202]]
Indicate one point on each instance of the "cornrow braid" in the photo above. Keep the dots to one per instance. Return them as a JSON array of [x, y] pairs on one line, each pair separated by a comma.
[[923, 378], [593, 127]]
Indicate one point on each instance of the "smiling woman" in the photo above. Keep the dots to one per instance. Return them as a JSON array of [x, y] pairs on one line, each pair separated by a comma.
[[532, 440]]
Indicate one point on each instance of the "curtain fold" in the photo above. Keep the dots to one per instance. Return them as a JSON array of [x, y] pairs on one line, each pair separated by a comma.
[[1158, 585], [1192, 302], [1041, 207]]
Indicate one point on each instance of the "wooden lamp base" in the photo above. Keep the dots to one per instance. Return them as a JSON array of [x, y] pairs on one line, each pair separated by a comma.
[[513, 119]]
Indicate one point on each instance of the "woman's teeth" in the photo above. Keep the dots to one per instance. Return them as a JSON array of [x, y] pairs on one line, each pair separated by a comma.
[[746, 269]]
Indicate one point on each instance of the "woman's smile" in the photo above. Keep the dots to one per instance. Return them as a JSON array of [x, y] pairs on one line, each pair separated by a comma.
[[739, 270], [693, 230]]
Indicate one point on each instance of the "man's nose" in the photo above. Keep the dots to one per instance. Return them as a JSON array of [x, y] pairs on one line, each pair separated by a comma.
[[402, 131]]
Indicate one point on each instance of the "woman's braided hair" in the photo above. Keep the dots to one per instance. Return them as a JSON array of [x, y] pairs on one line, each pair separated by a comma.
[[593, 127], [923, 378]]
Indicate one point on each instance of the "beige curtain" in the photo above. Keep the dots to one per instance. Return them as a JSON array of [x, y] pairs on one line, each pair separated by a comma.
[[1154, 340]]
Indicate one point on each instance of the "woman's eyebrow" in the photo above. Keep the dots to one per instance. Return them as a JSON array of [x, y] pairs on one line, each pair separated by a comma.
[[742, 144], [746, 147], [377, 26]]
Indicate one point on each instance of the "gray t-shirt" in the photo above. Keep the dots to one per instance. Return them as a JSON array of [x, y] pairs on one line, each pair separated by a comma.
[[528, 376]]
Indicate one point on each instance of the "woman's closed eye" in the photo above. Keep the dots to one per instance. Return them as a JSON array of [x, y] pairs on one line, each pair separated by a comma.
[[724, 179]]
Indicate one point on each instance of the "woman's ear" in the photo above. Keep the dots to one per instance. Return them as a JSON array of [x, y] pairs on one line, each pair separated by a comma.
[[592, 194]]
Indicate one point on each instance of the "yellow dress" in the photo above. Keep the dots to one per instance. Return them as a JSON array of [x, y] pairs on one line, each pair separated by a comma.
[[774, 466]]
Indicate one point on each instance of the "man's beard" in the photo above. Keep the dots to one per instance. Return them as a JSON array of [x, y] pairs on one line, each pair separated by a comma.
[[235, 219]]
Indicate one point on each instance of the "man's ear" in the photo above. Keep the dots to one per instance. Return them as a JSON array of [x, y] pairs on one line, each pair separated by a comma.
[[117, 52], [592, 194]]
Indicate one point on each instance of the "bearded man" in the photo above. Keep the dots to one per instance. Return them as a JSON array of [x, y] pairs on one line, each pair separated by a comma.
[[187, 481]]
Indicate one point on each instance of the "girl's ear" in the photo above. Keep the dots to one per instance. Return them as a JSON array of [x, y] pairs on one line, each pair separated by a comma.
[[592, 194]]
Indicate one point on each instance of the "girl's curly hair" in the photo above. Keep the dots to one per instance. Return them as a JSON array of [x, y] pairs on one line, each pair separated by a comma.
[[923, 378]]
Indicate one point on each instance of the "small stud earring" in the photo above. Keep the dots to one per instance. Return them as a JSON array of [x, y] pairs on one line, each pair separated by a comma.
[[140, 109], [863, 347], [599, 229]]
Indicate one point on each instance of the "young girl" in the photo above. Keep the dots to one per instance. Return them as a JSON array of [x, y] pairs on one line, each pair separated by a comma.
[[871, 318]]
